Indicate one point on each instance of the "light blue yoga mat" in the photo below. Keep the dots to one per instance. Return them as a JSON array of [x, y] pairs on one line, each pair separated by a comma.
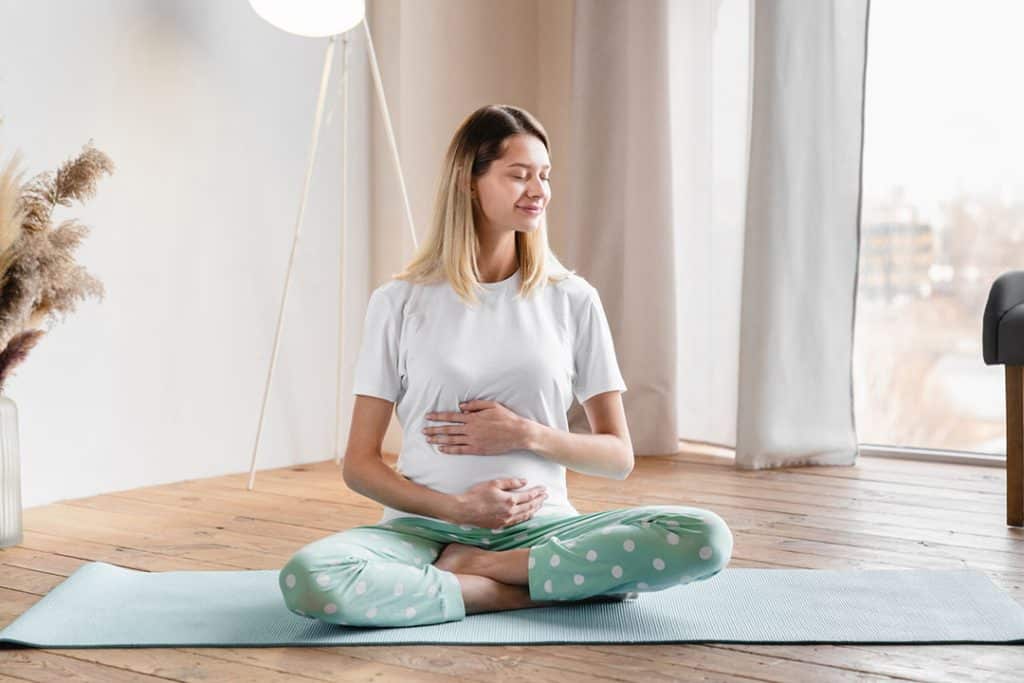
[[103, 605]]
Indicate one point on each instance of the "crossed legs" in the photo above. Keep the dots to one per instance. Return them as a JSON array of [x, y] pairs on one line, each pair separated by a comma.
[[491, 580]]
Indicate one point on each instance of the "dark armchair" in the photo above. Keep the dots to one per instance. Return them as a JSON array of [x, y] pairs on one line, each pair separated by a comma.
[[1002, 339]]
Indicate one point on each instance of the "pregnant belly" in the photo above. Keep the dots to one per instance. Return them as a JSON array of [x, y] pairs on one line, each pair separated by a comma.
[[454, 474]]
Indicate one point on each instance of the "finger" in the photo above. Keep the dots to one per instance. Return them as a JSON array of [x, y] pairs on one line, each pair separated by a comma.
[[456, 450], [447, 417], [528, 514], [526, 496], [453, 437], [528, 503], [513, 522]]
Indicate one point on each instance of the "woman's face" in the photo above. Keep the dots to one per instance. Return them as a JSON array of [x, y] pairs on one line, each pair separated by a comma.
[[517, 180]]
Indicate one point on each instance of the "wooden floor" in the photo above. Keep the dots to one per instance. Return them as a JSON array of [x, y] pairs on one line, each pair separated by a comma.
[[881, 513]]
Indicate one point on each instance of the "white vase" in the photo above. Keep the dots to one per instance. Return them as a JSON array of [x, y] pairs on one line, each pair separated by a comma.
[[10, 475]]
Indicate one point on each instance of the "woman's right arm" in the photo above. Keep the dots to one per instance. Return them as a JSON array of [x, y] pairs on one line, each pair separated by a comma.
[[366, 473]]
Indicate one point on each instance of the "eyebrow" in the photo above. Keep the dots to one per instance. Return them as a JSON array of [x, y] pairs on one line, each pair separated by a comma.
[[528, 165]]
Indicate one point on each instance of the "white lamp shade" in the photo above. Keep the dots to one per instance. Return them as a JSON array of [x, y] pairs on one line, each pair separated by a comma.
[[312, 18]]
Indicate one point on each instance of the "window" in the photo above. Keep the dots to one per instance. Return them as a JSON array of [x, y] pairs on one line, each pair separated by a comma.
[[942, 217]]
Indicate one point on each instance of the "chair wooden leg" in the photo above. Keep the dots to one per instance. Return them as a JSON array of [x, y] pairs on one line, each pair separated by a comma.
[[1014, 445]]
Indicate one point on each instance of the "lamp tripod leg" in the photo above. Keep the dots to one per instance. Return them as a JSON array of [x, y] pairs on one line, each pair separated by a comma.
[[328, 56], [343, 250], [375, 70]]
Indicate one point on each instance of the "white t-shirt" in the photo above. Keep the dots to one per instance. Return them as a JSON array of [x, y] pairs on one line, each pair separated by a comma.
[[427, 350]]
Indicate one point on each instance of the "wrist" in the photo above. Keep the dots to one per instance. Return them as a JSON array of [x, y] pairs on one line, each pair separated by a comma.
[[531, 434], [453, 512]]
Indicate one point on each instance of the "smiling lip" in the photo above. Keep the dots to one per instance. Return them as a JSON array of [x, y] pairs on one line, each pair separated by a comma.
[[530, 209]]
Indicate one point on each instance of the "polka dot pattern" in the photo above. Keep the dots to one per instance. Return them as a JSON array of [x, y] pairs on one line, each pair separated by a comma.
[[631, 549]]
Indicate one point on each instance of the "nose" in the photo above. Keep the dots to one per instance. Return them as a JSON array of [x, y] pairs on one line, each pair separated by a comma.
[[535, 190]]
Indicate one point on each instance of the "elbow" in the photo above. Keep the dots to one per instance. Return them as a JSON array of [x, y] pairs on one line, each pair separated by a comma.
[[629, 468], [357, 465], [349, 475]]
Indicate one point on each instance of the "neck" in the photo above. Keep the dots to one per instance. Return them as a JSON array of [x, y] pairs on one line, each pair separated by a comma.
[[497, 258]]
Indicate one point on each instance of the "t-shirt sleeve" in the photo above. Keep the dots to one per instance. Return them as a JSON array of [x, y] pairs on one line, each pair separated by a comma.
[[377, 371], [596, 368]]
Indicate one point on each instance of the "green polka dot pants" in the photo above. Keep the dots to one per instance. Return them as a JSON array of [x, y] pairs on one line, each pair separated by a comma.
[[382, 575]]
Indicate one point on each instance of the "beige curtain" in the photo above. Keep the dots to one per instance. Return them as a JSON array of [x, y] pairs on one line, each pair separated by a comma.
[[620, 231], [732, 327]]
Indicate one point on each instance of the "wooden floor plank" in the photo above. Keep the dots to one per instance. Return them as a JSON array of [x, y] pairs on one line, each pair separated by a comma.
[[672, 488], [879, 513]]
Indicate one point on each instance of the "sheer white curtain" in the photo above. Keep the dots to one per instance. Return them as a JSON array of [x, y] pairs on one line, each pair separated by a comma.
[[716, 158], [710, 81]]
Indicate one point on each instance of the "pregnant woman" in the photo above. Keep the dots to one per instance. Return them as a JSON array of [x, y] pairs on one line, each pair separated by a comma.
[[480, 344]]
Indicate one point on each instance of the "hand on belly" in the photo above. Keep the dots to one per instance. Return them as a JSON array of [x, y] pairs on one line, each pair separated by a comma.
[[482, 428]]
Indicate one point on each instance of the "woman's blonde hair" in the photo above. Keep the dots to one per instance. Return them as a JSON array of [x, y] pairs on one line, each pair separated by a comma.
[[449, 251]]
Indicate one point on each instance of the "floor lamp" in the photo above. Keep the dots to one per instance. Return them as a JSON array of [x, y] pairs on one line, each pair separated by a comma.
[[319, 19]]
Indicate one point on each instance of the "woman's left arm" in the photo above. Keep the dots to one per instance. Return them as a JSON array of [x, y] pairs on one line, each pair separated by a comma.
[[487, 427], [608, 452]]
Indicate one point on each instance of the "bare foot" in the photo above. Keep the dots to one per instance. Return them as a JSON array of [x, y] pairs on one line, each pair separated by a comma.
[[481, 594], [458, 558]]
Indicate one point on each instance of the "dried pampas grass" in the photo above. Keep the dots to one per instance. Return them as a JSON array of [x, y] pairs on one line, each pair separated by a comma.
[[38, 274], [12, 211], [16, 351], [76, 179]]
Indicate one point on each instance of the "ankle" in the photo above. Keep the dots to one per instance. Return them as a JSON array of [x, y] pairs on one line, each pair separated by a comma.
[[483, 594]]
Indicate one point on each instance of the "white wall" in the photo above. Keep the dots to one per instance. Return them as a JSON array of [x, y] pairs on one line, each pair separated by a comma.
[[206, 110]]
